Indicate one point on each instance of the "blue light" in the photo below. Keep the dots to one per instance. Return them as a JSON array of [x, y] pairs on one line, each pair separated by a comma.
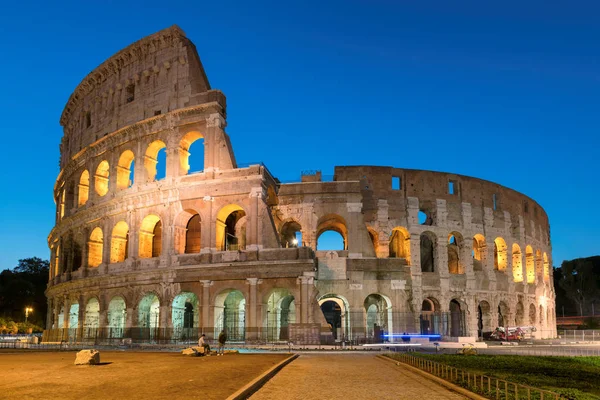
[[413, 335]]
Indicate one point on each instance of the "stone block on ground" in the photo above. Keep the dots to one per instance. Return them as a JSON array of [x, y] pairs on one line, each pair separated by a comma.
[[231, 352], [87, 357]]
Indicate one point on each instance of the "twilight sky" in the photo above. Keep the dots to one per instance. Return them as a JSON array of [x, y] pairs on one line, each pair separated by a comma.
[[508, 93]]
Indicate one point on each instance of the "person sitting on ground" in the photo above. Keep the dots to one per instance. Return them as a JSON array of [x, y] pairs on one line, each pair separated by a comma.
[[202, 343], [222, 340]]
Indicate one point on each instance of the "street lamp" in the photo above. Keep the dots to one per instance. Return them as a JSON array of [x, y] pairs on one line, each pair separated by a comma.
[[27, 311]]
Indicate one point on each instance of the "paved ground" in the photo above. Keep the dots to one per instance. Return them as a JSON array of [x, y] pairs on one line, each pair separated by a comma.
[[349, 376], [128, 375]]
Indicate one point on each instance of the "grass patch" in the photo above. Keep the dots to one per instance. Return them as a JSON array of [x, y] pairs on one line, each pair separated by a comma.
[[575, 378]]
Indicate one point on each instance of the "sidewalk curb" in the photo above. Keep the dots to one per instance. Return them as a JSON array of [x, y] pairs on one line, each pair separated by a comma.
[[440, 381], [258, 382]]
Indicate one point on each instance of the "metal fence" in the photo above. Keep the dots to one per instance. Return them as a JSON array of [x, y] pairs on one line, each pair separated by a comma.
[[489, 386], [585, 335]]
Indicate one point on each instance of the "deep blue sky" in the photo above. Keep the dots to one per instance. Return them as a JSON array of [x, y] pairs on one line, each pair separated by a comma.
[[508, 93]]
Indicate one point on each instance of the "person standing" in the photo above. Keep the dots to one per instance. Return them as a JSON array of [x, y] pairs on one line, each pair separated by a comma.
[[222, 340]]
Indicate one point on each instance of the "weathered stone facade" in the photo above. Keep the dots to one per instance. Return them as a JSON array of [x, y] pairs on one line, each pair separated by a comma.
[[140, 257]]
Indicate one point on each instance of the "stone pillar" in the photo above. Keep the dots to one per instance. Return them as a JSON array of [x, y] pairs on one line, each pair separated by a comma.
[[208, 238], [81, 316], [252, 231], [466, 259], [251, 309], [305, 281], [354, 244], [49, 314], [205, 324], [441, 262], [174, 164]]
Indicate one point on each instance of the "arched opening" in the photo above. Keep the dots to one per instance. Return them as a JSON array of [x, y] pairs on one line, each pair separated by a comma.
[[400, 243], [192, 235], [231, 228], [149, 316], [119, 242], [546, 268], [539, 266], [332, 233], [484, 319], [520, 314], [185, 316], [83, 192], [478, 252], [457, 320], [335, 311], [117, 315], [92, 317], [378, 310], [503, 314], [95, 247], [374, 236], [454, 246], [61, 206], [230, 306], [101, 178], [430, 316], [73, 321], [192, 143], [155, 163], [291, 234], [529, 264], [517, 263], [61, 318], [281, 312], [500, 256], [150, 237], [532, 313], [77, 256], [427, 240], [125, 170], [425, 218]]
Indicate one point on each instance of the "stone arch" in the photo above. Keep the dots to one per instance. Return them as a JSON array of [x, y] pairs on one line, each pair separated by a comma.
[[83, 191], [478, 252], [116, 316], [503, 314], [529, 264], [520, 314], [125, 170], [185, 145], [291, 234], [149, 315], [532, 314], [188, 232], [271, 198], [379, 316], [539, 266], [430, 316], [335, 223], [151, 159], [280, 312], [500, 254], [231, 228], [457, 321], [101, 178], [374, 236], [454, 247], [336, 309], [73, 320], [517, 263], [119, 242], [484, 319], [95, 247], [400, 243], [150, 244], [546, 268], [428, 243], [185, 311], [230, 314], [91, 321]]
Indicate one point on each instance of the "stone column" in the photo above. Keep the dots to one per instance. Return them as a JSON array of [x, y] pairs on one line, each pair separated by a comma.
[[466, 259], [252, 230], [208, 238], [251, 309], [81, 317], [441, 262], [354, 244], [49, 314], [205, 324]]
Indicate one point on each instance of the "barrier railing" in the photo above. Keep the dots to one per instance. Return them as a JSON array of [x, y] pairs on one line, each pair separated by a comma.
[[584, 335], [488, 386]]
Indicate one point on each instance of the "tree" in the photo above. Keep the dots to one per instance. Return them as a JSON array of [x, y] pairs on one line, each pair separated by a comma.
[[580, 280]]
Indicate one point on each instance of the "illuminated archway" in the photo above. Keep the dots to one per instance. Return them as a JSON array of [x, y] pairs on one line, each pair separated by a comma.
[[280, 312], [454, 248], [151, 160], [529, 264], [95, 247], [500, 256], [334, 223], [335, 309], [378, 310], [231, 228], [185, 153], [125, 170], [149, 315], [101, 178], [517, 263], [546, 268], [185, 316], [400, 243], [83, 192], [291, 234], [230, 315], [150, 237], [119, 242], [117, 315], [91, 318]]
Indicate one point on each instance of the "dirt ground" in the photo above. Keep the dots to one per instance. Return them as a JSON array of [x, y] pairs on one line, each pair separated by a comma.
[[128, 375]]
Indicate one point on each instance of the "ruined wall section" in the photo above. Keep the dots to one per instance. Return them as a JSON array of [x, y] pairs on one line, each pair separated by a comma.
[[153, 76]]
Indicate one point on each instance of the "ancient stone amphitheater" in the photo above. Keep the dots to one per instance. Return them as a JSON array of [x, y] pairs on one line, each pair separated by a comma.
[[148, 247]]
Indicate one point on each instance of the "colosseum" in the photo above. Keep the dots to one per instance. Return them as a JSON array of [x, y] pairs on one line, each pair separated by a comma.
[[153, 244]]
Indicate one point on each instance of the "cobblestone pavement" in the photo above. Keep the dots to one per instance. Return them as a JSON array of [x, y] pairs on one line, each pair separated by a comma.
[[349, 376]]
